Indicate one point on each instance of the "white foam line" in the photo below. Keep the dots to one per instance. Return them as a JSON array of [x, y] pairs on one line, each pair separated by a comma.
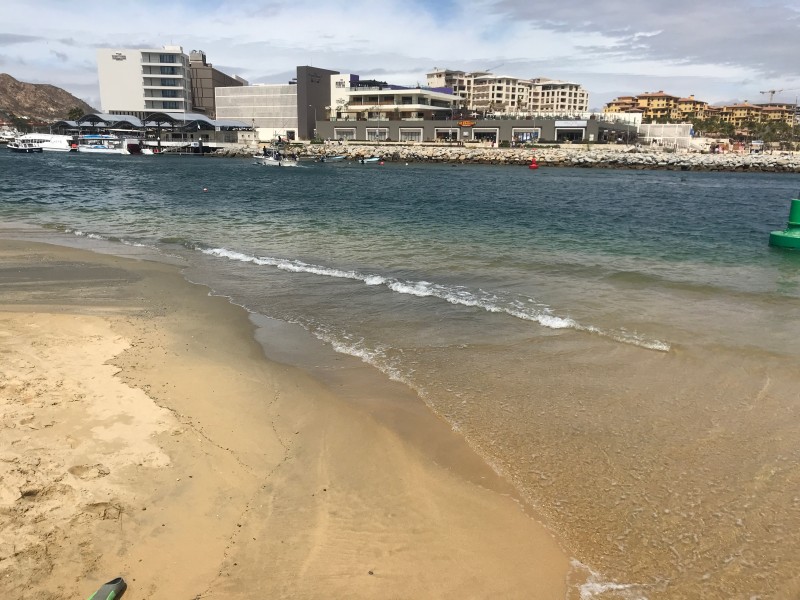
[[454, 295]]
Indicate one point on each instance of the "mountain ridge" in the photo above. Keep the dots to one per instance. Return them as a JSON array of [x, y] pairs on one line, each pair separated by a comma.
[[40, 101]]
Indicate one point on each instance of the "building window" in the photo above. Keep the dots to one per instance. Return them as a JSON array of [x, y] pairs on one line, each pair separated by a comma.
[[169, 93], [410, 135], [166, 58], [344, 134], [170, 104], [169, 70], [377, 135], [169, 82]]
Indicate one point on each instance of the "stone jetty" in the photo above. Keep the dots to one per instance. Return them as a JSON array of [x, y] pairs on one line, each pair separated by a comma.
[[591, 156]]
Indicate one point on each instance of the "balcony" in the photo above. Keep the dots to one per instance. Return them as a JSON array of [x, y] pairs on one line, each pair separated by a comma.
[[150, 98], [159, 86]]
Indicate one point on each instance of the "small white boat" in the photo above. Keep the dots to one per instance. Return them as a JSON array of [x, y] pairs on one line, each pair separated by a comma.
[[337, 158], [275, 157], [50, 142], [103, 143], [26, 147], [7, 135], [370, 159]]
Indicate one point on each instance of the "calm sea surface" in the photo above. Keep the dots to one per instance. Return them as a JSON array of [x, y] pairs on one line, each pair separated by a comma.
[[622, 346]]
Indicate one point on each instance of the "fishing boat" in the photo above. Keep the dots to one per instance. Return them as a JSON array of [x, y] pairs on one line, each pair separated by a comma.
[[275, 156], [336, 158], [369, 159]]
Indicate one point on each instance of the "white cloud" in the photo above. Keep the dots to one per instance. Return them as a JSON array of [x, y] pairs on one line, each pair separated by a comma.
[[609, 46]]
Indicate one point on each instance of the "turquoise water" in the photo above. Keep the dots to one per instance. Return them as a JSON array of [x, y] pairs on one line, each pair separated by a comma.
[[621, 345]]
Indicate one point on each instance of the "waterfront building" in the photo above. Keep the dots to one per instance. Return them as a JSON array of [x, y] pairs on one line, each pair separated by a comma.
[[384, 103], [204, 80], [144, 80], [289, 110], [486, 93]]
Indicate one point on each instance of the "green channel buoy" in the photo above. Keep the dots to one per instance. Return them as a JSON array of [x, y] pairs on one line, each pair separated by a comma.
[[789, 237]]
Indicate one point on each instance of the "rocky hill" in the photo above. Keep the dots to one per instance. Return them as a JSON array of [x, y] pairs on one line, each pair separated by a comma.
[[37, 100]]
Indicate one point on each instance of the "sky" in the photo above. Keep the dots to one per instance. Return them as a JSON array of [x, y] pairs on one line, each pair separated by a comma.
[[721, 52]]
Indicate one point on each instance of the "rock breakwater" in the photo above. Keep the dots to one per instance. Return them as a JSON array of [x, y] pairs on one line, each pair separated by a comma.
[[620, 157]]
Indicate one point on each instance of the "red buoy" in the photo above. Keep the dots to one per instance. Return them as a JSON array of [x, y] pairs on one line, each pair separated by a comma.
[[534, 164]]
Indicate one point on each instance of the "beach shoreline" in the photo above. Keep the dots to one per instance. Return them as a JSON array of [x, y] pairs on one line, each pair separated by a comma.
[[149, 437]]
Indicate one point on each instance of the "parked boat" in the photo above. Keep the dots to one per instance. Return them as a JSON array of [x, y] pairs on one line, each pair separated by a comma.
[[7, 135], [370, 159], [275, 156], [336, 158], [103, 143], [50, 142], [26, 147]]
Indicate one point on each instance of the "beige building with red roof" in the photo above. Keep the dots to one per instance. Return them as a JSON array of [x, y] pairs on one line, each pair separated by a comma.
[[662, 107]]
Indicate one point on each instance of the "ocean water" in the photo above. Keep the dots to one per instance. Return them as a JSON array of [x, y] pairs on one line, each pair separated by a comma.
[[621, 346]]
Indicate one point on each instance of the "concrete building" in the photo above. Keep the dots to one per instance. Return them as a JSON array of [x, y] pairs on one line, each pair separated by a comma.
[[487, 94], [487, 131], [270, 108], [204, 80], [286, 109], [390, 103], [144, 80]]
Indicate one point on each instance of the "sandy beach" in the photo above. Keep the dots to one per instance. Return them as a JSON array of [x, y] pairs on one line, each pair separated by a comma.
[[146, 435]]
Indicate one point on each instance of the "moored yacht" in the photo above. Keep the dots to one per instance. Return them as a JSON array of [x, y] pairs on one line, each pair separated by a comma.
[[49, 142], [103, 143]]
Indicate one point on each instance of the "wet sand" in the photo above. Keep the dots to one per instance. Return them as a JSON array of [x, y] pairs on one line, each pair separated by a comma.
[[146, 435]]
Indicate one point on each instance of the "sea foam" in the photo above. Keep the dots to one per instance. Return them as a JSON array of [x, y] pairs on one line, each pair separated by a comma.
[[526, 309]]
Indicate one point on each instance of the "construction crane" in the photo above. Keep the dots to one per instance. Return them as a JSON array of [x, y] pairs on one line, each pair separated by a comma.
[[490, 69], [773, 92]]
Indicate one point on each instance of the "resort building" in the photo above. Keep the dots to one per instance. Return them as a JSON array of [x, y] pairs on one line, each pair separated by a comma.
[[779, 112], [289, 110], [144, 80], [689, 108], [488, 94], [204, 80], [383, 103], [659, 107], [739, 114]]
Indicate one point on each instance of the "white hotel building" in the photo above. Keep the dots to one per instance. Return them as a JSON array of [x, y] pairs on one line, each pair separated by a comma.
[[501, 94], [144, 80]]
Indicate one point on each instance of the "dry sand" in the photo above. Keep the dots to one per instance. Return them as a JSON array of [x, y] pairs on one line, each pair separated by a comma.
[[144, 434]]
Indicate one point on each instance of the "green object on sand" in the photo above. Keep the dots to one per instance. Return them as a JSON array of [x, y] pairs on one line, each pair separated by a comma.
[[789, 237], [110, 590]]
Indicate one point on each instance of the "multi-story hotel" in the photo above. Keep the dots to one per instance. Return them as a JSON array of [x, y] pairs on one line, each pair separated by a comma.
[[140, 81], [662, 107], [488, 93]]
